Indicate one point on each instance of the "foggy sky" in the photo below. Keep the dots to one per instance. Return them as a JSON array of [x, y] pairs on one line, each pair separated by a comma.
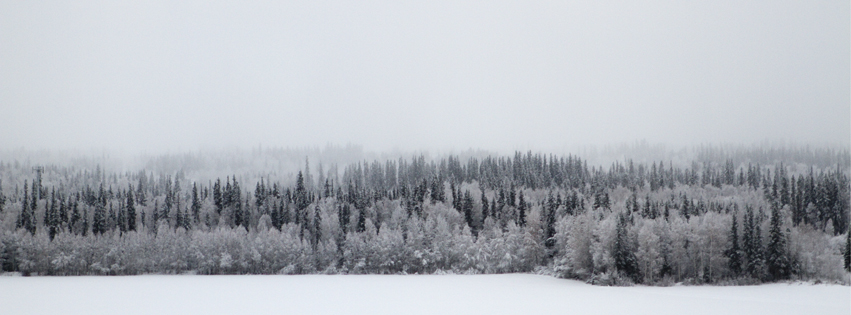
[[496, 75]]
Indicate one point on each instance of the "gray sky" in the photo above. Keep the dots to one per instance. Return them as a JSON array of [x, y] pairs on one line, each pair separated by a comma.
[[181, 75]]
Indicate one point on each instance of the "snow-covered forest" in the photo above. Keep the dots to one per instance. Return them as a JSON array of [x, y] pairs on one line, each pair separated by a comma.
[[714, 215]]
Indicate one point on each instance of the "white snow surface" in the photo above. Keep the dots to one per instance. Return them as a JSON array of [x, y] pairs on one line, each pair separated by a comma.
[[401, 294]]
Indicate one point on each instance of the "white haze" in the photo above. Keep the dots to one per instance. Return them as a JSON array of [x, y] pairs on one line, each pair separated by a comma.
[[148, 76]]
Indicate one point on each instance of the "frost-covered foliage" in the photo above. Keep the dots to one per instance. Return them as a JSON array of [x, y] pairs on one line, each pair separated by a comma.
[[632, 223]]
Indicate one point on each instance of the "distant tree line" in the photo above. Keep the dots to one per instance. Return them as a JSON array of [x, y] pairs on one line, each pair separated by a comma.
[[716, 220]]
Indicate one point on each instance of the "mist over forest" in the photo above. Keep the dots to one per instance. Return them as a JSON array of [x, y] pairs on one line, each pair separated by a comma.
[[387, 137], [634, 213]]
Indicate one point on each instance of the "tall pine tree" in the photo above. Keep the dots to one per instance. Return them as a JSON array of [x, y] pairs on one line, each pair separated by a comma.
[[734, 251], [847, 253], [521, 210], [196, 205], [777, 260], [625, 260], [131, 210]]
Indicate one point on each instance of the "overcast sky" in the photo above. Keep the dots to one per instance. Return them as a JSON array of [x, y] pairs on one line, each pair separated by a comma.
[[446, 75]]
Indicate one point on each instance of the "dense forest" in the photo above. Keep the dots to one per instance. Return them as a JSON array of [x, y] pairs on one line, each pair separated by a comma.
[[725, 216]]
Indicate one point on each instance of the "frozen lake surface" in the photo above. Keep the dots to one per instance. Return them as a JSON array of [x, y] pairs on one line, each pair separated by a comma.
[[412, 294]]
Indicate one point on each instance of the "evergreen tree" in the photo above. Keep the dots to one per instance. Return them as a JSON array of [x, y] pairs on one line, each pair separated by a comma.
[[2, 197], [23, 218], [131, 211], [521, 209], [598, 200], [317, 227], [51, 216], [777, 260], [753, 246], [647, 211], [625, 260], [246, 213], [85, 226], [633, 203], [467, 208], [456, 197], [759, 253], [734, 251], [63, 212], [847, 253], [179, 216], [552, 207], [361, 221], [485, 207], [436, 190], [140, 191], [155, 216], [302, 200], [196, 205], [217, 196], [187, 220], [343, 214], [32, 220], [99, 219], [122, 217], [685, 208], [111, 220], [259, 191], [75, 218]]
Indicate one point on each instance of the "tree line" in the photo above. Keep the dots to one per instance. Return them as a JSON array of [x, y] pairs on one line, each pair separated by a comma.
[[630, 223]]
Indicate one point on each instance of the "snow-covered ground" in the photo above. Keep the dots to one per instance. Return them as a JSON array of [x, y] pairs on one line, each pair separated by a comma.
[[412, 294]]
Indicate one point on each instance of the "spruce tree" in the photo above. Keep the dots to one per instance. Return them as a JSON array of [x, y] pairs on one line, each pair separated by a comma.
[[361, 221], [756, 260], [98, 219], [625, 260], [187, 220], [217, 196], [777, 260], [734, 251], [436, 190], [21, 222], [32, 220], [52, 216], [485, 207], [467, 208], [75, 218], [63, 211], [521, 209], [112, 220], [131, 210], [301, 200], [598, 200], [550, 232], [2, 197], [747, 237], [317, 227], [178, 215], [140, 191], [196, 205], [343, 215], [155, 216], [85, 226], [847, 253], [122, 217]]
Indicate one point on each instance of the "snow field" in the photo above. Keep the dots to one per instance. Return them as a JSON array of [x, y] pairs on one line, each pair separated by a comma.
[[395, 294]]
